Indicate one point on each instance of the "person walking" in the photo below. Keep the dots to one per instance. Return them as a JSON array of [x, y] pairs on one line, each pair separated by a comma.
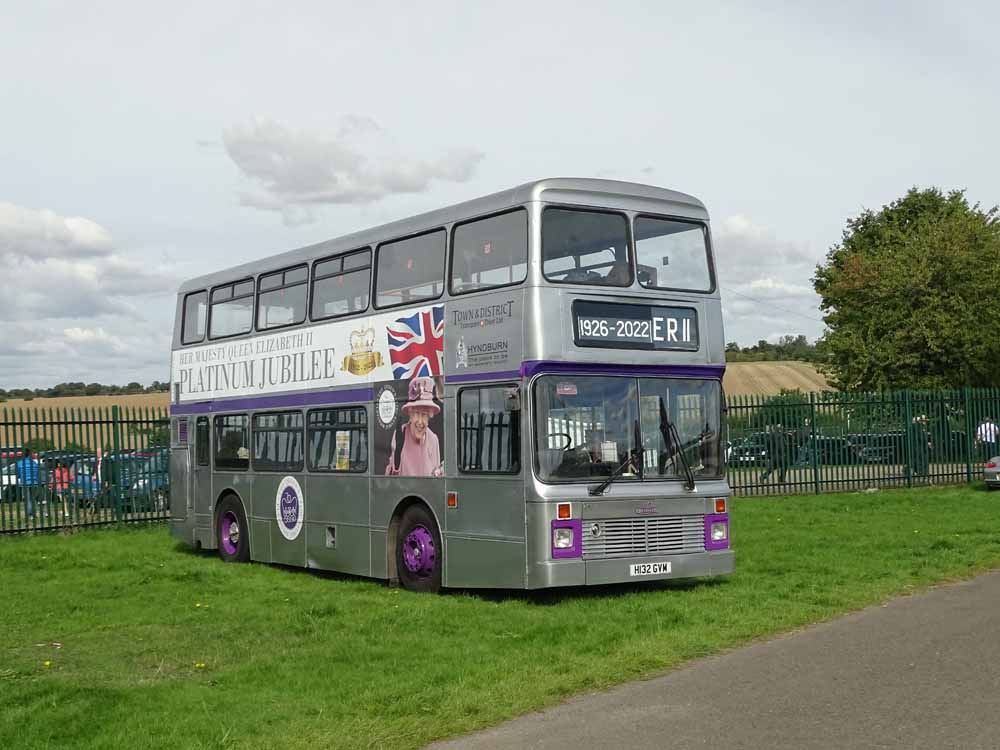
[[986, 438], [26, 469], [61, 484], [776, 443]]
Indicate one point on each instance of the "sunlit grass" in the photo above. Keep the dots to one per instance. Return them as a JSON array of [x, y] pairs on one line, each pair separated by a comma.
[[125, 639]]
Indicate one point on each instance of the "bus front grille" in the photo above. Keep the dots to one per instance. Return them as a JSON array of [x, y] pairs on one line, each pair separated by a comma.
[[628, 537]]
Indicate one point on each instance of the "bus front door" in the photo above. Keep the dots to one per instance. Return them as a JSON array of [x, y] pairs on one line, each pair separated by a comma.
[[199, 505]]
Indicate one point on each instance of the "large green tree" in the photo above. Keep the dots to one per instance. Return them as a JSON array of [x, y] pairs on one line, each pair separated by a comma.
[[910, 295]]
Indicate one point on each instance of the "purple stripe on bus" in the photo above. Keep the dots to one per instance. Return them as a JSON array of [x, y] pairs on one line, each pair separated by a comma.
[[531, 367], [276, 402], [502, 375]]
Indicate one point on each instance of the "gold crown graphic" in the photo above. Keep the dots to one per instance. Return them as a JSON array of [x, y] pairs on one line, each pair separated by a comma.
[[363, 357]]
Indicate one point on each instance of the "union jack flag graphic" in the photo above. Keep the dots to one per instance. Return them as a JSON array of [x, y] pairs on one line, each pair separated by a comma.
[[416, 344]]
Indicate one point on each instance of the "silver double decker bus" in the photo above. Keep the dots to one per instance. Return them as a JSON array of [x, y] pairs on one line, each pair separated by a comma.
[[519, 391]]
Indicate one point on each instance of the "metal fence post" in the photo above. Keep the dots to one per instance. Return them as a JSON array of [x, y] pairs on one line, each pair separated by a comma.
[[116, 464], [907, 442], [812, 439], [969, 443]]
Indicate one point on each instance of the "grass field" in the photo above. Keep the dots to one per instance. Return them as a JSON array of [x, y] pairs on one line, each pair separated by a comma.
[[125, 639]]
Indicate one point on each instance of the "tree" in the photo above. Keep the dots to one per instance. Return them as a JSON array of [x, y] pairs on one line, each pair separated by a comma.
[[38, 445], [908, 292]]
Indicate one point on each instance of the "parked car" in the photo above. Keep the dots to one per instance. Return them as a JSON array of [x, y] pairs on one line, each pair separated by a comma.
[[8, 479], [87, 485], [881, 447], [991, 473], [145, 482], [18, 476], [748, 451]]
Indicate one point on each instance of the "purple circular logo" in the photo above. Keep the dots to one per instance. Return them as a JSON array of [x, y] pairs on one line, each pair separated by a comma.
[[289, 508]]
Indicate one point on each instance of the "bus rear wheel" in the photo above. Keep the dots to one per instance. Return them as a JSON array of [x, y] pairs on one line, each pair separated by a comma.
[[233, 531], [419, 551]]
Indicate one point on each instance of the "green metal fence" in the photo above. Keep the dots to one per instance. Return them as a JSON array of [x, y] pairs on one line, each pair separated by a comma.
[[79, 467], [82, 467], [830, 442]]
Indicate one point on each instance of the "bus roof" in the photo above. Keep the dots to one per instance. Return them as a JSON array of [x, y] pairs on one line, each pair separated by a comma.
[[559, 189]]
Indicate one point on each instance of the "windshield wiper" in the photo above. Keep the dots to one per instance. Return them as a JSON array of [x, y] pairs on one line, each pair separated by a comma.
[[635, 457], [668, 430]]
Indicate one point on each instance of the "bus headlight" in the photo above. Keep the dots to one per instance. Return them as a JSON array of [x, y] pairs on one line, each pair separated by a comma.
[[562, 538], [716, 531], [566, 538]]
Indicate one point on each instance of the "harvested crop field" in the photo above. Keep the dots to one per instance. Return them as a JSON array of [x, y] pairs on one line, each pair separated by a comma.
[[769, 378], [139, 400]]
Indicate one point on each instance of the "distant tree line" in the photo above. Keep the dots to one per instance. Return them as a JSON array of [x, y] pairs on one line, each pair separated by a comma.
[[83, 389], [795, 348]]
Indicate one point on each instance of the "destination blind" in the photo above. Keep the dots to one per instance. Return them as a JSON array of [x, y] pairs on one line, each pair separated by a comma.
[[605, 324]]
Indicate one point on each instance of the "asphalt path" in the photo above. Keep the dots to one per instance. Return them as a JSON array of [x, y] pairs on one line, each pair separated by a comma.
[[921, 671]]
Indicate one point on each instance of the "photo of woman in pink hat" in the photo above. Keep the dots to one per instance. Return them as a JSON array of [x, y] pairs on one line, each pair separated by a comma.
[[421, 453]]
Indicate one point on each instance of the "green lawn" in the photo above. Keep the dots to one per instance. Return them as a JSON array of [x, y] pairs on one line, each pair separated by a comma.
[[125, 639]]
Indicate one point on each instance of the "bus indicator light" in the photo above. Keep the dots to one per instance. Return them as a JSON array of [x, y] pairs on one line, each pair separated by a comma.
[[564, 511], [452, 499], [720, 505]]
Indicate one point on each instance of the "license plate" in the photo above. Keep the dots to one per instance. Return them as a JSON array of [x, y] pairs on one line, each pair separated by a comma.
[[649, 569]]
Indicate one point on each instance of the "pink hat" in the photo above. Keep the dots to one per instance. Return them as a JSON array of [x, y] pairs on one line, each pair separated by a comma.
[[421, 395]]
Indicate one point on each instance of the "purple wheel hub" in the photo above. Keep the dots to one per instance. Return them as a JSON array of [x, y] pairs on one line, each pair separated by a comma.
[[419, 552], [229, 533]]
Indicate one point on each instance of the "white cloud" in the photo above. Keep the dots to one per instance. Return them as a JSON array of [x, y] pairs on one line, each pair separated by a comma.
[[766, 282], [74, 307], [298, 170], [36, 355], [778, 288], [59, 289], [40, 233]]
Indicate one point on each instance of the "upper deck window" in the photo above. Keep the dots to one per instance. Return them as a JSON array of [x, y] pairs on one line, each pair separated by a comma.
[[490, 252], [232, 309], [281, 298], [340, 285], [672, 254], [585, 247], [410, 270], [195, 317]]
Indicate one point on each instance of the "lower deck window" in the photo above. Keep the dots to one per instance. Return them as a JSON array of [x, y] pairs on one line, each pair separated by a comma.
[[338, 439], [489, 435], [277, 442], [232, 442], [201, 448]]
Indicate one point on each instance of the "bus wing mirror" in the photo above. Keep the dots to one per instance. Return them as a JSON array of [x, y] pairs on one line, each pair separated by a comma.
[[513, 399]]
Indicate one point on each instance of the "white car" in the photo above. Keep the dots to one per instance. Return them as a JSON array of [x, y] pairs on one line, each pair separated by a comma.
[[8, 479], [991, 473], [8, 475]]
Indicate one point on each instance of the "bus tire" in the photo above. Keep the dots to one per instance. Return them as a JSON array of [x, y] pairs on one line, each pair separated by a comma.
[[232, 531], [419, 551]]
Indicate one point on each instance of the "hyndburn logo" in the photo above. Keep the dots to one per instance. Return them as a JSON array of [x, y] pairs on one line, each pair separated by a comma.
[[646, 509]]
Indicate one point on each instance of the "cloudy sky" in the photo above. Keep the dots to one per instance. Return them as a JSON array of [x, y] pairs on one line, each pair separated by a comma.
[[142, 143]]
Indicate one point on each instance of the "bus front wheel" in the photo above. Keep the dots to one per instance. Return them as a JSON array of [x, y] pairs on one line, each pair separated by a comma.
[[233, 531], [418, 551]]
